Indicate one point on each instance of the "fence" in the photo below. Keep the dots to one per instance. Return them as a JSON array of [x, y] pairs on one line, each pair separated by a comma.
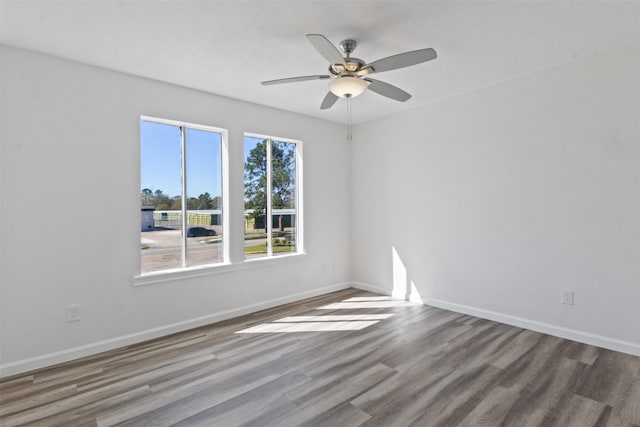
[[173, 219]]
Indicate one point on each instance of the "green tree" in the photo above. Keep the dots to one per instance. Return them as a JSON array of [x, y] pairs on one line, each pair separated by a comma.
[[176, 203], [255, 181], [204, 202], [155, 198], [146, 197], [282, 179], [162, 201], [216, 202]]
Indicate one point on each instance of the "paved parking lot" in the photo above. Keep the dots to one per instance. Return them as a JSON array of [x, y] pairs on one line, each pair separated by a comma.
[[165, 250]]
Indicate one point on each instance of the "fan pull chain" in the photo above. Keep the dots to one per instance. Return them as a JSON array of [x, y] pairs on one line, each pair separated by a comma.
[[349, 135]]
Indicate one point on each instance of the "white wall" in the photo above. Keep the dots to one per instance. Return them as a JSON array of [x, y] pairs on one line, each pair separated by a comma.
[[492, 201], [71, 213], [496, 200]]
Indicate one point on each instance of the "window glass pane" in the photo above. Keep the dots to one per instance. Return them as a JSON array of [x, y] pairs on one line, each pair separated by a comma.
[[204, 195], [283, 197], [160, 177], [255, 197]]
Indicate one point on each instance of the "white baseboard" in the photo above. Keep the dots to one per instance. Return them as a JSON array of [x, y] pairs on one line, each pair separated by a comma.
[[384, 291], [55, 358], [376, 289], [33, 363], [533, 325]]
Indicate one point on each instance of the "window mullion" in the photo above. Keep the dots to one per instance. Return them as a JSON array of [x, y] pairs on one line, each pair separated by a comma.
[[298, 199], [269, 217], [183, 149]]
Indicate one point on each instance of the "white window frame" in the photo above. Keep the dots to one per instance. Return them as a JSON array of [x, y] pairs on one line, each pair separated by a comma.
[[298, 196], [224, 163], [235, 241]]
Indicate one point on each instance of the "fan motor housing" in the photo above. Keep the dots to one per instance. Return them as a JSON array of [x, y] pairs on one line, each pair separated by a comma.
[[351, 65]]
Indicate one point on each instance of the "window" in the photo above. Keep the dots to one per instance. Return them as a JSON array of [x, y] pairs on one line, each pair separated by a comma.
[[272, 182], [181, 175]]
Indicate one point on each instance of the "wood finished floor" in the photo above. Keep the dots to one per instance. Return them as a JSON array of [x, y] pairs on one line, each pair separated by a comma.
[[349, 358]]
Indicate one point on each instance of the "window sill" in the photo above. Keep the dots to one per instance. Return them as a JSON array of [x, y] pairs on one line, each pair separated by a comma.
[[208, 270]]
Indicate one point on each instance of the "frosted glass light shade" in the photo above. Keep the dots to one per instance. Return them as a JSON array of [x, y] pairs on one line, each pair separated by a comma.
[[348, 86]]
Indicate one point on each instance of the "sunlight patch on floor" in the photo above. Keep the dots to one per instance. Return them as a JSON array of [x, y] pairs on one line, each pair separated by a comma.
[[333, 322], [345, 305], [280, 327], [335, 318]]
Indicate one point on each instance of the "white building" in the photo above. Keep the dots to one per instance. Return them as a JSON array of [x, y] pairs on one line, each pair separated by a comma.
[[146, 218]]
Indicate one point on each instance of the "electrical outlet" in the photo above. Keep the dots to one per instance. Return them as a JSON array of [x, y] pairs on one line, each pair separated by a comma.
[[566, 296], [74, 313]]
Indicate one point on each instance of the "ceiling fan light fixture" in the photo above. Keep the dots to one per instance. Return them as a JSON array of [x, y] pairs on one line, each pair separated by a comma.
[[348, 86]]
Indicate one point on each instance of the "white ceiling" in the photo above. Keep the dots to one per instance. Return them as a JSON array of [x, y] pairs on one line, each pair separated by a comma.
[[228, 47]]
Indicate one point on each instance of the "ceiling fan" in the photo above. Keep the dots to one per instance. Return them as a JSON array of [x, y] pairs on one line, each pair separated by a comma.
[[349, 76]]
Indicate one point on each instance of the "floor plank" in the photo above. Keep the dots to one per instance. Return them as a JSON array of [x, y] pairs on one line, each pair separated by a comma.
[[348, 358]]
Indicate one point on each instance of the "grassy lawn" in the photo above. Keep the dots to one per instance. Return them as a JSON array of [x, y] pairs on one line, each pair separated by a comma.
[[262, 235], [253, 236], [262, 249], [212, 240], [282, 242]]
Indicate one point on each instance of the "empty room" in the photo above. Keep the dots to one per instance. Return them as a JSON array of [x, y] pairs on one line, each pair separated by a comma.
[[319, 213]]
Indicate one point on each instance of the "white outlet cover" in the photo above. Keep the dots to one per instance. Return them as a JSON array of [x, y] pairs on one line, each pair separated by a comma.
[[74, 313], [566, 297]]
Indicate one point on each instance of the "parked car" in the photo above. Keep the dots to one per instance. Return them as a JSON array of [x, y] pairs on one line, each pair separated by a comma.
[[199, 231]]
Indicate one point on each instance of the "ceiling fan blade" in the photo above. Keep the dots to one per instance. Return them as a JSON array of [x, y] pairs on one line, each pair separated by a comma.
[[390, 91], [326, 48], [328, 101], [293, 79], [401, 60]]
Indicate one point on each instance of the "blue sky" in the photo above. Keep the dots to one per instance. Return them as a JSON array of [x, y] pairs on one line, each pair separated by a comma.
[[161, 160]]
